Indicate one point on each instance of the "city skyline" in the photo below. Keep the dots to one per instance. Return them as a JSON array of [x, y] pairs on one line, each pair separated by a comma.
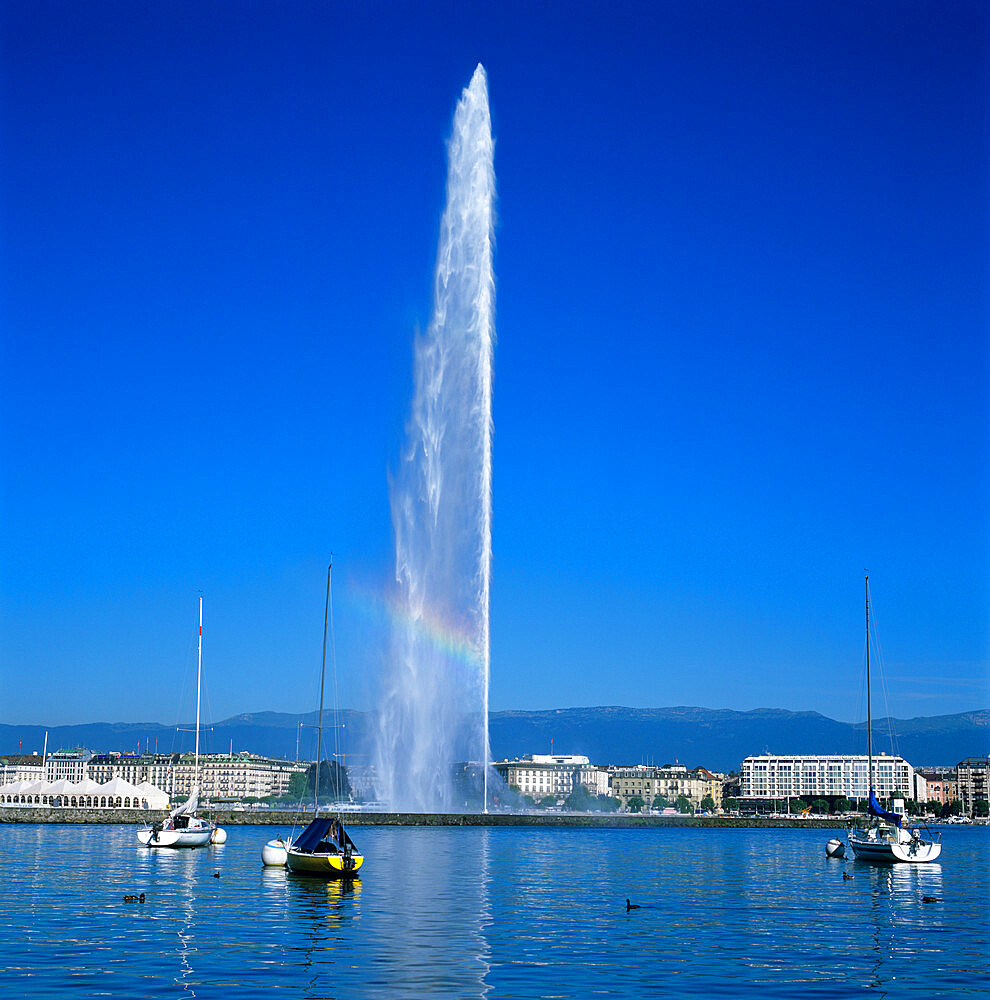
[[741, 314]]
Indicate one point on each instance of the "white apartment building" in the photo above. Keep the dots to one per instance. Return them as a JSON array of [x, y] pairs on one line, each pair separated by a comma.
[[540, 775], [235, 776], [67, 765], [21, 767], [769, 776], [221, 776], [153, 768]]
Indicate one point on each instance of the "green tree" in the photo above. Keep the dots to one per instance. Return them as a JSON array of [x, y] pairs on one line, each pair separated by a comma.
[[708, 804], [636, 803], [661, 802], [333, 781], [580, 800], [819, 805], [953, 808], [298, 784], [548, 800], [981, 808], [796, 805], [732, 804], [842, 805], [606, 803], [683, 804]]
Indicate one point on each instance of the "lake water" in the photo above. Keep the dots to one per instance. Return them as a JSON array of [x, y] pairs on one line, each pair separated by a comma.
[[479, 912]]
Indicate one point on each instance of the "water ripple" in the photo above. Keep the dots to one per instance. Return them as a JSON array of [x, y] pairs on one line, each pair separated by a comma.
[[520, 913]]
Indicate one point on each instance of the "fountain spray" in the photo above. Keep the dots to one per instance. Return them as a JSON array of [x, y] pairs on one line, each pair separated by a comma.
[[434, 709]]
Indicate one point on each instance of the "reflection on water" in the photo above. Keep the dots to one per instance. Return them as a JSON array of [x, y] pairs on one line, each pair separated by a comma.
[[485, 913], [186, 947], [898, 910], [179, 869], [320, 905]]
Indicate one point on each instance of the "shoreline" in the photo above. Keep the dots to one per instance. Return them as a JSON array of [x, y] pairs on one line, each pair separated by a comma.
[[269, 817]]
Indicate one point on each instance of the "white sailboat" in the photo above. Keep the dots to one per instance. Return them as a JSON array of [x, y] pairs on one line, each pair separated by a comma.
[[324, 848], [885, 839], [182, 827]]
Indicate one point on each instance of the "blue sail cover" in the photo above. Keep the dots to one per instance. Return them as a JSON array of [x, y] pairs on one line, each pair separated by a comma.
[[877, 810], [317, 830], [312, 835]]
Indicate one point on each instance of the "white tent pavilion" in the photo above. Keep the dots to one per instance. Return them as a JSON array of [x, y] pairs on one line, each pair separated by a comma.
[[152, 797], [115, 794]]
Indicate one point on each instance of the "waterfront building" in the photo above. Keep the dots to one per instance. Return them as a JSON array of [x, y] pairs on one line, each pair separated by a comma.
[[973, 780], [769, 776], [235, 776], [85, 794], [670, 782], [540, 775], [221, 776], [940, 785], [67, 765], [21, 767], [151, 768]]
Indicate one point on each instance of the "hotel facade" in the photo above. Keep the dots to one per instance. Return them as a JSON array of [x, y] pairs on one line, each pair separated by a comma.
[[670, 782], [221, 776], [769, 776], [540, 775]]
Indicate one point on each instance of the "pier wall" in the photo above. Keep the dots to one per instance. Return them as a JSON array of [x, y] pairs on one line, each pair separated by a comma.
[[271, 817]]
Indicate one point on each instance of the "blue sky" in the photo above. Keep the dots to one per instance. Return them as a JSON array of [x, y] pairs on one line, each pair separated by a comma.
[[742, 347]]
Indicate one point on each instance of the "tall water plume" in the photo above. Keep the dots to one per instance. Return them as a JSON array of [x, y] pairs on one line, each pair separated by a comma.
[[434, 710]]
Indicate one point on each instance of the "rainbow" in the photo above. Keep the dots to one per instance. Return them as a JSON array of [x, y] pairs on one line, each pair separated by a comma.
[[452, 641]]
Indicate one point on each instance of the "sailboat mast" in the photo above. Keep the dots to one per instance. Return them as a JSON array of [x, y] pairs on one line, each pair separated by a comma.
[[869, 706], [323, 671], [199, 677]]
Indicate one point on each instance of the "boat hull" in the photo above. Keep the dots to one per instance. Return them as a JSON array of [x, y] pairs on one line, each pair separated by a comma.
[[893, 853], [894, 848], [198, 837], [324, 865]]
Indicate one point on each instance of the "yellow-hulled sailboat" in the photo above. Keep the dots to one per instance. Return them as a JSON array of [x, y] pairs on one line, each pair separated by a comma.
[[324, 847]]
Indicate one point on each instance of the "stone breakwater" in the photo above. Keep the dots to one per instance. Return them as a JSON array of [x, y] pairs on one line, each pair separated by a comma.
[[271, 817]]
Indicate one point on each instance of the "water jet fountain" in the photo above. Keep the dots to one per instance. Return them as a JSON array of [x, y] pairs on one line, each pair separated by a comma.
[[433, 715]]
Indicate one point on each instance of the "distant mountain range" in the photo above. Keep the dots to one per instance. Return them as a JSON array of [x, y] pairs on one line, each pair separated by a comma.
[[716, 738]]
